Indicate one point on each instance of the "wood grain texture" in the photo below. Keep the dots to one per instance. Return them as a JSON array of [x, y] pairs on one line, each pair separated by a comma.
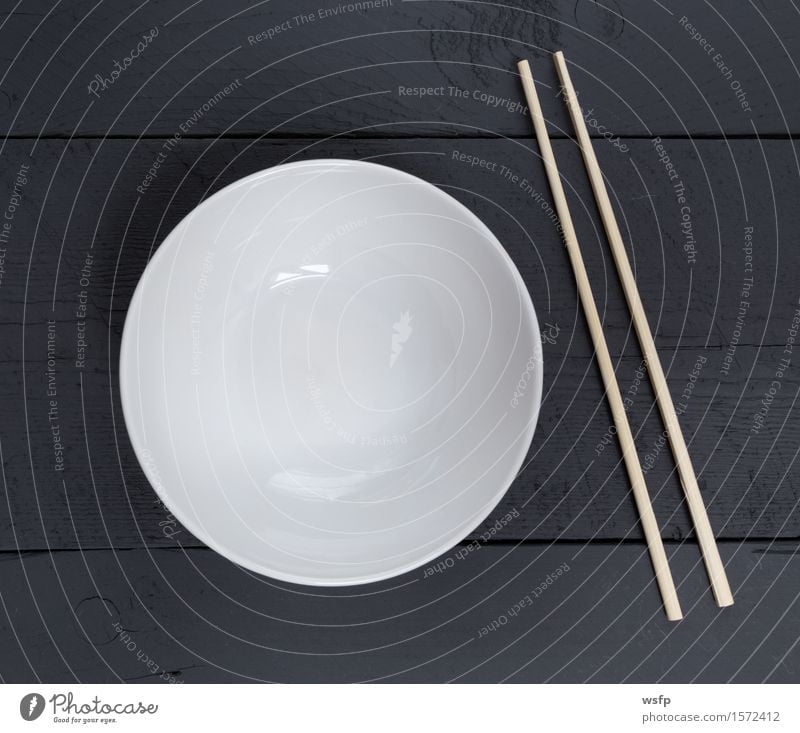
[[81, 198], [644, 68], [191, 616]]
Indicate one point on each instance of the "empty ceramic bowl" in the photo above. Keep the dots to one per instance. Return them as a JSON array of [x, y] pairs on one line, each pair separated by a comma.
[[331, 372]]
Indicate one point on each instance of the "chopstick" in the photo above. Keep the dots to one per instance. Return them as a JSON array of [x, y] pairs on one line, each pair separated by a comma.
[[629, 454], [697, 509]]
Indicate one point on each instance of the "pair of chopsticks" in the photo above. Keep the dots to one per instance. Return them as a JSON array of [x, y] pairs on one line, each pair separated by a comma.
[[705, 535]]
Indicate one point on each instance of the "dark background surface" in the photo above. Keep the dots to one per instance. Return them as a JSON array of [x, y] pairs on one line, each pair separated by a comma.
[[97, 582]]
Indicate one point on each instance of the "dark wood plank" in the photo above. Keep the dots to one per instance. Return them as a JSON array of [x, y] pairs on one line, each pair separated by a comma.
[[164, 615], [644, 67], [81, 198]]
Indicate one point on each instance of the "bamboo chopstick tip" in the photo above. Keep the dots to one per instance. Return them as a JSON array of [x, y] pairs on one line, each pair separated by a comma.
[[725, 602], [559, 60], [523, 66]]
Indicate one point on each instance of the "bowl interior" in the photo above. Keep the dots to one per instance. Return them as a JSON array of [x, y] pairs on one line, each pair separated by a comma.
[[330, 372]]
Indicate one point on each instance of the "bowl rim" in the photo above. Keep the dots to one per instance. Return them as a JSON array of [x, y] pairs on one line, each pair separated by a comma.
[[263, 569]]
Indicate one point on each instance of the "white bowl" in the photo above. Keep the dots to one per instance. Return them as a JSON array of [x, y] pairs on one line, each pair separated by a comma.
[[331, 372]]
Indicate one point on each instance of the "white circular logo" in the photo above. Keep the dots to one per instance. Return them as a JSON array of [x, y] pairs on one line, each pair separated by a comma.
[[31, 706]]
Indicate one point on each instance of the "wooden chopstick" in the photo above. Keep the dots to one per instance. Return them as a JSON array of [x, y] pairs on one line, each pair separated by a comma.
[[705, 535], [635, 475]]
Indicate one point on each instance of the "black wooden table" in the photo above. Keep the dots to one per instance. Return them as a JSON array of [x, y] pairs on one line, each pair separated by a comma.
[[118, 118]]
